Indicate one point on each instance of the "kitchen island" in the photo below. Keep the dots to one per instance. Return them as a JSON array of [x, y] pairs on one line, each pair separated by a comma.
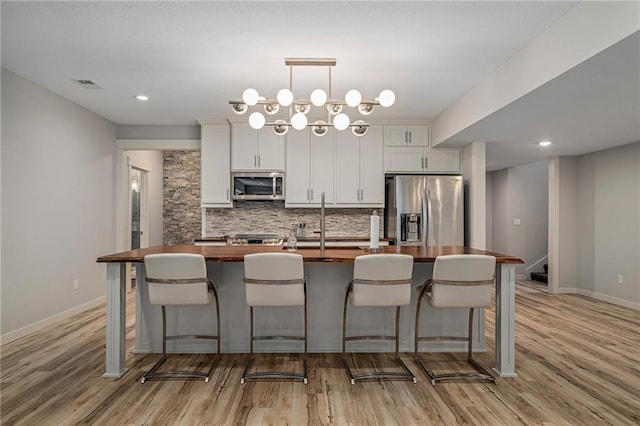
[[327, 273]]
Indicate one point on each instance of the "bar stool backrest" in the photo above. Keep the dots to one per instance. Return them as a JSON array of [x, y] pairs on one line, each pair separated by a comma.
[[274, 279], [462, 281], [181, 279], [396, 269]]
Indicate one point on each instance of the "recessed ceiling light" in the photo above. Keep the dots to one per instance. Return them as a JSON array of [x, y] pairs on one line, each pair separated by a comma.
[[141, 97], [544, 143]]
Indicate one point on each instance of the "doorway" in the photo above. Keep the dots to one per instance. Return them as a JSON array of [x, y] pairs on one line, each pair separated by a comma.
[[138, 220]]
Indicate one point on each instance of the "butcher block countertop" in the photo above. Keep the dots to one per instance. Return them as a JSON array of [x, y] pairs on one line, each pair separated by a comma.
[[310, 254]]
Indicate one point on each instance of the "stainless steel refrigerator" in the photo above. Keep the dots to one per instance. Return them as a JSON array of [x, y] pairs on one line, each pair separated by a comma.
[[425, 210]]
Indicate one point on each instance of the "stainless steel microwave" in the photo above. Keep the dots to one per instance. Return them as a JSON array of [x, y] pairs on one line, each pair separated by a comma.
[[258, 186]]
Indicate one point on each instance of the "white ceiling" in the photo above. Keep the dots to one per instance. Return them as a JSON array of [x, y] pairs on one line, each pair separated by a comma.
[[191, 58]]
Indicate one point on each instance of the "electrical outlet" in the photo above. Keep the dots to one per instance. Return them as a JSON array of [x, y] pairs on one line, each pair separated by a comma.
[[619, 279], [516, 222], [75, 284]]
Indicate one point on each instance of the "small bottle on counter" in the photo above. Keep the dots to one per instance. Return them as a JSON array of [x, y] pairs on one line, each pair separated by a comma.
[[292, 241]]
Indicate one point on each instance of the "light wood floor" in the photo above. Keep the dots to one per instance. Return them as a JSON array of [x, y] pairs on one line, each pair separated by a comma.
[[577, 361]]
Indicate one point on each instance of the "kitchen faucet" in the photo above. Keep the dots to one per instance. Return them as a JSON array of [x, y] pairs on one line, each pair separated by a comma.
[[322, 230]]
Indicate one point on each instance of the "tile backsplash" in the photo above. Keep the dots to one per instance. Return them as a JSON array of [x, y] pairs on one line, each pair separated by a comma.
[[272, 217]]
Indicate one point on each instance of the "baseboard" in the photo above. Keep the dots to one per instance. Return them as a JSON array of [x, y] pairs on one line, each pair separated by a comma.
[[37, 326], [599, 296], [610, 299]]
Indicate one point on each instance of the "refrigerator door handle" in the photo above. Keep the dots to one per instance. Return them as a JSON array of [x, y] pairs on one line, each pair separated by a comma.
[[426, 201]]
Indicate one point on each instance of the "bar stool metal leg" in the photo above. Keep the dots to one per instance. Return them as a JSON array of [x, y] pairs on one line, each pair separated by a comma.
[[153, 373], [406, 374], [247, 376], [481, 373]]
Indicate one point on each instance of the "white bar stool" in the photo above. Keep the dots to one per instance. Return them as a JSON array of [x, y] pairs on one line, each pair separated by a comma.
[[459, 281], [379, 280], [179, 280], [271, 280]]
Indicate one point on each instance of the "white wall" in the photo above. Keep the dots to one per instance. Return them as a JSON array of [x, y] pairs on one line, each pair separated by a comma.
[[521, 193], [608, 237], [57, 205], [489, 214]]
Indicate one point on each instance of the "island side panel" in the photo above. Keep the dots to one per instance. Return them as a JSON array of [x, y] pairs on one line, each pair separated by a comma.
[[505, 320], [326, 285], [116, 321]]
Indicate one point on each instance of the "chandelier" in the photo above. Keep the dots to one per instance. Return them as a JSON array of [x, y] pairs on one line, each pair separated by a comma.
[[299, 108]]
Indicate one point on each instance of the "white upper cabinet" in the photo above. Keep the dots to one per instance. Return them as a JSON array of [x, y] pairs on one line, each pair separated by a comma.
[[406, 135], [360, 169], [421, 160], [406, 150], [310, 168], [256, 149], [215, 149]]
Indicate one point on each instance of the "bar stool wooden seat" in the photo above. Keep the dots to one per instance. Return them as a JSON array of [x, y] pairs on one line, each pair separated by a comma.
[[459, 281], [379, 280], [176, 279], [275, 280]]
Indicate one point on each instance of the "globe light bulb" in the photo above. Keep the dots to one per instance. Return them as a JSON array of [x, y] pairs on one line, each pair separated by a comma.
[[284, 97], [299, 121], [280, 127], [256, 120], [250, 97], [318, 97], [239, 108], [386, 98], [353, 98], [319, 128], [360, 128], [341, 121], [271, 108], [334, 108]]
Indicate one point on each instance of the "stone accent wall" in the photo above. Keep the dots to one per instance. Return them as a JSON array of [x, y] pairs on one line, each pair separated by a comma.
[[181, 192], [272, 217]]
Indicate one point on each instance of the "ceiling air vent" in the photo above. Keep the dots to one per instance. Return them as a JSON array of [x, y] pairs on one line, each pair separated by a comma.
[[87, 84]]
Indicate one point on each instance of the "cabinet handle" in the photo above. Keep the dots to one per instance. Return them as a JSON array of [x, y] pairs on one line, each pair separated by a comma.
[[406, 136], [255, 160], [422, 162], [311, 198], [426, 162], [258, 161], [227, 194], [410, 136]]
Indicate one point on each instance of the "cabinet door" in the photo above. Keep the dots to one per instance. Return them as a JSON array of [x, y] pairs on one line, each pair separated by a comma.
[[244, 141], [322, 167], [404, 159], [401, 135], [348, 167], [418, 135], [215, 166], [372, 167], [442, 160], [297, 176], [271, 149], [395, 135]]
